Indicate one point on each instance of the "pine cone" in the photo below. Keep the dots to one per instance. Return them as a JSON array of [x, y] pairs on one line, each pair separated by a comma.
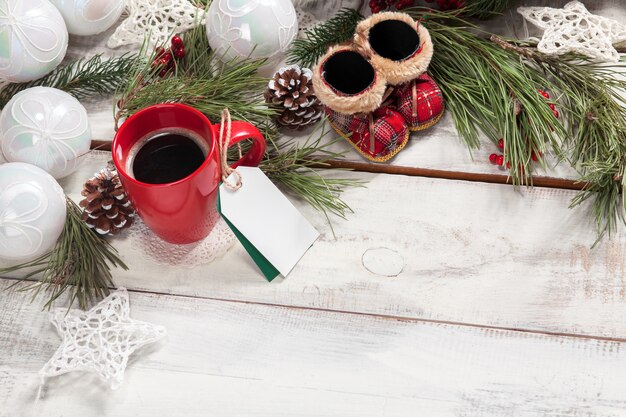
[[106, 208], [291, 90]]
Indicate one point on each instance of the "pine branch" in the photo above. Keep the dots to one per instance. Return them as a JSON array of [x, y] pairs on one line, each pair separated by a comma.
[[484, 9], [595, 110], [486, 80], [81, 78], [338, 29], [485, 86], [295, 165], [79, 263]]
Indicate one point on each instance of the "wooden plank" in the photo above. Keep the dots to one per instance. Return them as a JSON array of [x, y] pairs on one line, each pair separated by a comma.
[[224, 358], [442, 250]]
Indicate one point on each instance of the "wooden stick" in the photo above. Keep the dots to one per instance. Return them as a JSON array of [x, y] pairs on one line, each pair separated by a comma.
[[546, 182], [454, 175]]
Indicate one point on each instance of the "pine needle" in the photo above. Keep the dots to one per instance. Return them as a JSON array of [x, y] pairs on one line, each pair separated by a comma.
[[82, 78], [484, 9]]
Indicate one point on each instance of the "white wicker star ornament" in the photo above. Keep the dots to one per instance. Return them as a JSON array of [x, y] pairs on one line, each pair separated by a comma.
[[99, 340], [574, 29], [158, 19]]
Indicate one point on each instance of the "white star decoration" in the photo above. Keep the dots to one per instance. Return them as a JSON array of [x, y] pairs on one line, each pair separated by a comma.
[[159, 19], [574, 29], [99, 340]]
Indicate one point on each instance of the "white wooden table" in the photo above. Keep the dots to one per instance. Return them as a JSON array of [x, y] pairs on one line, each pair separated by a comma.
[[436, 298]]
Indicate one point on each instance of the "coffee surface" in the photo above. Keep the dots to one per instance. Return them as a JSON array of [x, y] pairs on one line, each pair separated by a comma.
[[166, 157]]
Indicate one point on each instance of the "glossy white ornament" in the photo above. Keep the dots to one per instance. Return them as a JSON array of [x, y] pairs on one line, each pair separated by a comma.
[[45, 127], [89, 17], [33, 39], [255, 28], [32, 212]]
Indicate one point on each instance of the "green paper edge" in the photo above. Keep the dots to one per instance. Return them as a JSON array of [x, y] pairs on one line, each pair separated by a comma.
[[266, 267]]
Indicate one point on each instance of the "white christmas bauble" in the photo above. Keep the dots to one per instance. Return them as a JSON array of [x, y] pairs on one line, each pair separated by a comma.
[[255, 28], [33, 39], [45, 127], [89, 17], [32, 212]]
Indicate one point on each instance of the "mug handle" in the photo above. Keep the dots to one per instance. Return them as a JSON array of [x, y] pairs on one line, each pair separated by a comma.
[[241, 131]]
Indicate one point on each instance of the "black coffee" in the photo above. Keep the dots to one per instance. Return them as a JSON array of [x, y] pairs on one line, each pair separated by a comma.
[[166, 157]]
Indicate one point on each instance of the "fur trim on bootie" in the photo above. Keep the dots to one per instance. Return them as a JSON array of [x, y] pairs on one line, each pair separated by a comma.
[[399, 48], [347, 83]]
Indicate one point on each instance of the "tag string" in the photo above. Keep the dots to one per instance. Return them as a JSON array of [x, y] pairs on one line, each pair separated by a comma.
[[224, 142]]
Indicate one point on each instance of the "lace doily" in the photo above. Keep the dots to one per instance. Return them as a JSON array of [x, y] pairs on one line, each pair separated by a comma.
[[574, 29], [306, 21], [99, 340], [158, 18], [148, 245]]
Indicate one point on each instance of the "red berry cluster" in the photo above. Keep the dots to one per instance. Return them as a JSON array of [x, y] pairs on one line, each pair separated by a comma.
[[496, 159], [165, 59], [380, 5], [449, 4]]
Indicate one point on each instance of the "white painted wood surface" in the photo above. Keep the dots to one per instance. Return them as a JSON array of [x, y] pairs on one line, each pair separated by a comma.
[[238, 359], [467, 252]]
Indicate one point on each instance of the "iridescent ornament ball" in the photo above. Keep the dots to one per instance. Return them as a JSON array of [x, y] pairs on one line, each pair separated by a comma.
[[89, 17], [45, 127], [32, 212], [251, 28], [33, 39]]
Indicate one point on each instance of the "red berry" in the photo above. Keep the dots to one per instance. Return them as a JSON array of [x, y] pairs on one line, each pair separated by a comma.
[[556, 113], [508, 165], [544, 93], [179, 52], [500, 160], [177, 42], [158, 52], [501, 144], [377, 5], [493, 158], [552, 106], [533, 155], [167, 56]]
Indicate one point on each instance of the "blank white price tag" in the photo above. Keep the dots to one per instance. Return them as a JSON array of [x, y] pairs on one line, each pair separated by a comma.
[[267, 221]]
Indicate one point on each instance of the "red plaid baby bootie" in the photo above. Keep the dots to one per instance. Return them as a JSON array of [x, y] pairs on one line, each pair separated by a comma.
[[378, 136], [420, 102]]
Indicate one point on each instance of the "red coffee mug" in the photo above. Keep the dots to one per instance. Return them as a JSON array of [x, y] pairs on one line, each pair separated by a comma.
[[183, 211]]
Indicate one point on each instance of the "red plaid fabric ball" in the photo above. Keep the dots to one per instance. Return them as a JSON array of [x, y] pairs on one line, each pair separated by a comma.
[[391, 132], [420, 102]]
